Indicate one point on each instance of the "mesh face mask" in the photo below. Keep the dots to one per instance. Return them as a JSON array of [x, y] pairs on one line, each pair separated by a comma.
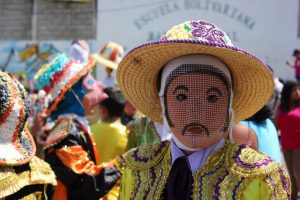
[[196, 99]]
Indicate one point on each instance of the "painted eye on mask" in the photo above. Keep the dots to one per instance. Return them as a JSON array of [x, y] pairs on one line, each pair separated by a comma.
[[213, 95], [180, 92], [90, 82], [181, 97]]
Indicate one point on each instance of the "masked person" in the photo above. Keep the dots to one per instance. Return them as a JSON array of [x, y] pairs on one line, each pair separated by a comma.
[[198, 85], [22, 175], [72, 93]]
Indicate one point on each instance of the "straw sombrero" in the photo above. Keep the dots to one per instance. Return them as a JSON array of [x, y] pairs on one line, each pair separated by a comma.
[[58, 76], [138, 71], [110, 55], [16, 143]]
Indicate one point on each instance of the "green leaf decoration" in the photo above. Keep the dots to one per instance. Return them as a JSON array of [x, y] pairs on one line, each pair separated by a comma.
[[186, 27]]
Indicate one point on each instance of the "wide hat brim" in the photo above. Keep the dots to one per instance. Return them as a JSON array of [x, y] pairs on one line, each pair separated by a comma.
[[89, 66], [19, 151], [138, 72]]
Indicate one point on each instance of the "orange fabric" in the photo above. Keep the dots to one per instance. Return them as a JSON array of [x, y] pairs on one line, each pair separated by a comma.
[[92, 142], [60, 192], [76, 158]]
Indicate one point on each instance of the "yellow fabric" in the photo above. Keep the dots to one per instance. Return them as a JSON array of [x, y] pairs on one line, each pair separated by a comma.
[[232, 172], [257, 189], [126, 184], [110, 139], [11, 182]]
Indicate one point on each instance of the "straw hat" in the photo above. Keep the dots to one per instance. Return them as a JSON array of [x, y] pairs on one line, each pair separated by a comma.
[[16, 143], [110, 55], [58, 76], [138, 71]]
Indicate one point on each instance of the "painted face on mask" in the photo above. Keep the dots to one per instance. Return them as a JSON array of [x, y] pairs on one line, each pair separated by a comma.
[[94, 94], [196, 105]]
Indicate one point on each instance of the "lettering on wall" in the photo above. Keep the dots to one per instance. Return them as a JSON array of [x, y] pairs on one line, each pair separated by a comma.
[[228, 10]]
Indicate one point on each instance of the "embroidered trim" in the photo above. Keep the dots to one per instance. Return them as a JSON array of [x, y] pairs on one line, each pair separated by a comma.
[[60, 131], [146, 157], [70, 83], [39, 173]]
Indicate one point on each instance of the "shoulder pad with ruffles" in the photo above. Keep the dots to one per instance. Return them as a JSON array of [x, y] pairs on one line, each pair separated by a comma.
[[60, 131], [249, 163], [145, 157]]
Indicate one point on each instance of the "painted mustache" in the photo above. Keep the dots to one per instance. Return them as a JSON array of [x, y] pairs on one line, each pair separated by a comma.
[[195, 129]]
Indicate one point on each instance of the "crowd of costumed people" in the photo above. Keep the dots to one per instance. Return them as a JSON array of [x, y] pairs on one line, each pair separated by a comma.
[[189, 116]]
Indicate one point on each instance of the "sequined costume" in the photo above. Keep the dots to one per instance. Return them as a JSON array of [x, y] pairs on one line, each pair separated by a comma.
[[28, 181], [232, 172], [198, 85], [22, 174], [71, 152], [72, 93]]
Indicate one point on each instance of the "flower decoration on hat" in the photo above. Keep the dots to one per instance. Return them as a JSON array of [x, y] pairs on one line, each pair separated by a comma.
[[58, 76], [252, 79], [198, 30], [16, 143]]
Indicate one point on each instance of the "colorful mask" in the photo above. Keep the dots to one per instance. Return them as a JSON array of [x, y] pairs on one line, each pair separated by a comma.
[[94, 93], [195, 96]]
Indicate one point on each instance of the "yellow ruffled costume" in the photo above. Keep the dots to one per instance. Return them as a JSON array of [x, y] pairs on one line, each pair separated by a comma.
[[39, 173], [232, 172]]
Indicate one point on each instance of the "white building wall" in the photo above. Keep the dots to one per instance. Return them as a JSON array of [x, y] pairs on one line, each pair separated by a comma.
[[266, 28]]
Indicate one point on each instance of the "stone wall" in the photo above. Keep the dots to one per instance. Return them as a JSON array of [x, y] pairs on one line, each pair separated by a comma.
[[47, 20], [15, 19], [65, 20]]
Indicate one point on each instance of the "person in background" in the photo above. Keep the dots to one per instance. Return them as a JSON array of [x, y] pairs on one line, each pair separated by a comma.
[[128, 114], [197, 84], [22, 174], [110, 136], [110, 56], [296, 64], [80, 50], [287, 120], [140, 129], [71, 94], [262, 135]]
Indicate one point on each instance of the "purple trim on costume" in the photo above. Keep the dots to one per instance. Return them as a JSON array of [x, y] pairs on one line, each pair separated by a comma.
[[250, 166], [282, 178], [138, 186], [153, 176], [236, 187], [216, 186], [274, 185], [145, 159], [158, 182], [204, 43], [206, 174]]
